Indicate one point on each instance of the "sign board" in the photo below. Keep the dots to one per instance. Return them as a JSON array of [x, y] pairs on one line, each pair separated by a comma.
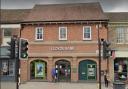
[[65, 48], [121, 53], [39, 69], [91, 70]]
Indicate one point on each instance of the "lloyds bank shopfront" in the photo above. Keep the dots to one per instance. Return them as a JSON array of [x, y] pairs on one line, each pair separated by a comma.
[[70, 66]]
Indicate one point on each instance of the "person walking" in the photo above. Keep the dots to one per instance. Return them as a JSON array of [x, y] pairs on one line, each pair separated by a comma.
[[106, 79], [53, 75]]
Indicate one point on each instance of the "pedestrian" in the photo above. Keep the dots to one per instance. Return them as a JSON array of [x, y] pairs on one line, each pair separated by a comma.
[[106, 79], [53, 75]]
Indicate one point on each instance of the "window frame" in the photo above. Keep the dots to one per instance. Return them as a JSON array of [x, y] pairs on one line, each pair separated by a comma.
[[126, 35], [37, 33], [121, 32], [5, 29], [60, 33], [84, 32]]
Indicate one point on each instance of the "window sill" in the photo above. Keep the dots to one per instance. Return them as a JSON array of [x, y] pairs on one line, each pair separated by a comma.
[[62, 39], [121, 43], [87, 39], [39, 40]]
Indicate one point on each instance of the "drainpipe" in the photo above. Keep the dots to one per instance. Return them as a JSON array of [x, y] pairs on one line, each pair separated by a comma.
[[99, 56], [108, 40]]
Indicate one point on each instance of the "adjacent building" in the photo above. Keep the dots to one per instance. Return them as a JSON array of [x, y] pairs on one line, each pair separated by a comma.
[[9, 27], [118, 36]]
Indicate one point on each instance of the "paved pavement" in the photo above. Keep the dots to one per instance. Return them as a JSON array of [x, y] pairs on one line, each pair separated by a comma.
[[8, 85], [48, 85]]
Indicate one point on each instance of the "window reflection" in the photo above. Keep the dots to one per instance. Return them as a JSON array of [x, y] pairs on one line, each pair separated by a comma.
[[8, 68]]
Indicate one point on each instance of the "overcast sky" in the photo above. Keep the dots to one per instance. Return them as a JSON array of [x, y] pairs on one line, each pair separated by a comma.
[[108, 5]]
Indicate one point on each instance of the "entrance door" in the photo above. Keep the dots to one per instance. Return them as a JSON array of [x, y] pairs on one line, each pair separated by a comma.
[[63, 70], [87, 70], [83, 71]]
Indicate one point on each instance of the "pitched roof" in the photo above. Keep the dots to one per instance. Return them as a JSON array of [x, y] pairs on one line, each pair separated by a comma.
[[117, 16], [66, 12], [13, 15]]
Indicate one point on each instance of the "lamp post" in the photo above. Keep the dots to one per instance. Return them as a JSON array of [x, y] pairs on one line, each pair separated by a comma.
[[99, 56]]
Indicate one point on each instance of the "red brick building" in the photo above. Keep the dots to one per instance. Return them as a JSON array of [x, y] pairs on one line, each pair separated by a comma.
[[118, 36], [9, 27], [63, 37]]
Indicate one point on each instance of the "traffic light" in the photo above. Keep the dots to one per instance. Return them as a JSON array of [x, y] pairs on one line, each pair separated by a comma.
[[23, 48], [11, 48], [106, 49]]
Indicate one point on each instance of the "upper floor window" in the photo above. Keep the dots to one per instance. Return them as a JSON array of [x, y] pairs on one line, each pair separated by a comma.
[[122, 35], [7, 32], [62, 33], [39, 33], [6, 36], [87, 33]]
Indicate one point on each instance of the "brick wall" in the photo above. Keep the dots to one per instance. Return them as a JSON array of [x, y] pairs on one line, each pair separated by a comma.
[[75, 32], [42, 49]]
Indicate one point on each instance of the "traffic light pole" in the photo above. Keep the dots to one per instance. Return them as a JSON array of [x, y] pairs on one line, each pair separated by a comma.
[[17, 64], [0, 66], [99, 56]]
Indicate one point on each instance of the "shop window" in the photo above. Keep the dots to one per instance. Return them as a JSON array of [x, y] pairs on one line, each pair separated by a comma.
[[120, 69], [8, 68], [38, 69]]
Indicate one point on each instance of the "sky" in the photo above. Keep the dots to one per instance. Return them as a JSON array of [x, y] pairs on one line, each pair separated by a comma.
[[107, 5]]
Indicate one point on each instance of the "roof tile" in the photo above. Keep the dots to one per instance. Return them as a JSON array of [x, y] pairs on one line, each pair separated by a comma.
[[62, 12], [117, 16], [13, 15]]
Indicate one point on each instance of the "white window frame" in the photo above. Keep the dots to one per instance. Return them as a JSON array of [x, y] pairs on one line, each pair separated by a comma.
[[126, 35], [84, 32], [60, 33], [36, 33], [5, 39], [121, 32]]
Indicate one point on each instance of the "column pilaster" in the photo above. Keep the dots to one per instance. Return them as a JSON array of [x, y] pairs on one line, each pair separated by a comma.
[[49, 68], [74, 70]]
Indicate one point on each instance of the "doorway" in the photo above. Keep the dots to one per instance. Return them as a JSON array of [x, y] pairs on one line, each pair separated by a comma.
[[63, 69], [87, 70]]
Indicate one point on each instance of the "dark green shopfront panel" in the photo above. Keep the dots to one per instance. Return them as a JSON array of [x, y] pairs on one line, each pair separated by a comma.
[[87, 70]]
